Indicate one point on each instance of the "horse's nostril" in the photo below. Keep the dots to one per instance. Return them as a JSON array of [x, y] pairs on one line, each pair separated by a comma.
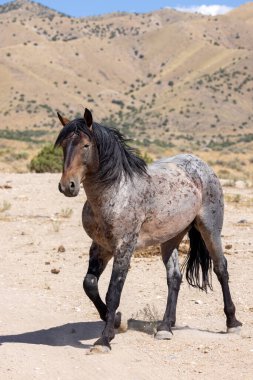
[[72, 185]]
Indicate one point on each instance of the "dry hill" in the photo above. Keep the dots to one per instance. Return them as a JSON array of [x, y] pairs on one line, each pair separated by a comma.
[[172, 81]]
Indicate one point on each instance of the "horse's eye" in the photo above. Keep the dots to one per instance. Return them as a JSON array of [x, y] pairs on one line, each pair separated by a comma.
[[86, 146]]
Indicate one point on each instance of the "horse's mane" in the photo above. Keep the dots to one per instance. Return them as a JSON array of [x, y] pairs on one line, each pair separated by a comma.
[[116, 157]]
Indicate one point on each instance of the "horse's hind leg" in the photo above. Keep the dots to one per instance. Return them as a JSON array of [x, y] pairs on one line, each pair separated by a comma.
[[97, 263], [212, 239], [174, 278]]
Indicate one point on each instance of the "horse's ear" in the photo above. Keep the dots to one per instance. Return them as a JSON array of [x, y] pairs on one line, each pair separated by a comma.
[[62, 119], [88, 118]]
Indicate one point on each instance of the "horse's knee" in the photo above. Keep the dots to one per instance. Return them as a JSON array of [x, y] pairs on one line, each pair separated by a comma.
[[90, 284]]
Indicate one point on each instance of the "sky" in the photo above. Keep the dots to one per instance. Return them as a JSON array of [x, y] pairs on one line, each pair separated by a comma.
[[79, 8]]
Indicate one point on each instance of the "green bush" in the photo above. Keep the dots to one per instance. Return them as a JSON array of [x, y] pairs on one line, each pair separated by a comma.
[[48, 160], [147, 158]]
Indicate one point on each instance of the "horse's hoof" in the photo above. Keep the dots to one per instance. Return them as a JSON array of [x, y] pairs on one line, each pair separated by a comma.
[[98, 350], [123, 325], [234, 330], [163, 335]]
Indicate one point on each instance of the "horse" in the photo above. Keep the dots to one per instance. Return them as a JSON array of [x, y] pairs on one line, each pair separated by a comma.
[[131, 205]]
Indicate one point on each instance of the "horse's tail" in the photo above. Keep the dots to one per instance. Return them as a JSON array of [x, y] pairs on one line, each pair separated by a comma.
[[198, 257]]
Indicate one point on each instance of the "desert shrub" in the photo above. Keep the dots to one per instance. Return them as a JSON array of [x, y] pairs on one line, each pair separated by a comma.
[[118, 102], [28, 135], [147, 158], [48, 160]]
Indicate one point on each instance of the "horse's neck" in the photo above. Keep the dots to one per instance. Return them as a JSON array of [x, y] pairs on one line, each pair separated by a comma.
[[98, 195], [93, 192]]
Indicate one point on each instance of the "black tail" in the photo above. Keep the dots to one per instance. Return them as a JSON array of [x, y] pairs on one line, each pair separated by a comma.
[[198, 257]]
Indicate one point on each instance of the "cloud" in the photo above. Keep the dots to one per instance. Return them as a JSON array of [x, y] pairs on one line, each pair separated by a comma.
[[208, 10]]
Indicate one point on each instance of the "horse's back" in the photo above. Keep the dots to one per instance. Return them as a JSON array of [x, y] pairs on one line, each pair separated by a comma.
[[194, 168]]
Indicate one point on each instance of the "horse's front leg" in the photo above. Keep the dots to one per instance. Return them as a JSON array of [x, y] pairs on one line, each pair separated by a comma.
[[97, 264], [122, 257]]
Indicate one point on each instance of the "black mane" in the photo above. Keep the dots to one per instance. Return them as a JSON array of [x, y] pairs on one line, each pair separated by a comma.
[[115, 156]]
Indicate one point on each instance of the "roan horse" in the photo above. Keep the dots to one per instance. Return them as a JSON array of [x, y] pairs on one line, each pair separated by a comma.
[[130, 206]]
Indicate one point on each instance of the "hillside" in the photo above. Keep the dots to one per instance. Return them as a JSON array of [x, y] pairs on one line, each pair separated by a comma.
[[171, 81]]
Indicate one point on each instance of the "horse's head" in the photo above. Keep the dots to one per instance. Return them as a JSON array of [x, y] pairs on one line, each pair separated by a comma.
[[79, 153]]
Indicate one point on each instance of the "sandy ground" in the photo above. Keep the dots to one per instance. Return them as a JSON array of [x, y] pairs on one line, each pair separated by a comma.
[[47, 324]]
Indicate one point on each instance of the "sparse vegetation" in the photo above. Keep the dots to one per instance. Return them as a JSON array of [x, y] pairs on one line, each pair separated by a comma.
[[150, 314], [47, 160], [5, 206], [56, 225], [148, 108], [66, 212]]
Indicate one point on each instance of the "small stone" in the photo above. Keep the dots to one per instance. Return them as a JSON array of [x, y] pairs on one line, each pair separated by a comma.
[[61, 248], [228, 246], [198, 302], [6, 186], [242, 221], [47, 262], [55, 271]]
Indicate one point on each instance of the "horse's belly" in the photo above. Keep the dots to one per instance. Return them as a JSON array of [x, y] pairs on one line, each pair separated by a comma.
[[167, 221]]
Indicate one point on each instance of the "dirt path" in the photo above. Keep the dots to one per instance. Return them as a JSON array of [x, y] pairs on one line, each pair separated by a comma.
[[47, 324]]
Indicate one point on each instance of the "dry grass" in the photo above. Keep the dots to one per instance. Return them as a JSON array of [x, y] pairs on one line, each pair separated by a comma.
[[148, 252], [155, 250], [66, 213], [149, 314], [239, 200], [56, 224], [5, 206]]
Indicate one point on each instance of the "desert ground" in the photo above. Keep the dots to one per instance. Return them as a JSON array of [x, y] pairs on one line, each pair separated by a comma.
[[47, 324]]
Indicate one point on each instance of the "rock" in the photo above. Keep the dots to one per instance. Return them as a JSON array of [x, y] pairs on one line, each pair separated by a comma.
[[228, 246], [242, 221], [61, 248], [55, 271]]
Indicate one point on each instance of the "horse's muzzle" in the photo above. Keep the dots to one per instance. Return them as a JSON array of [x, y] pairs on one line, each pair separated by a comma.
[[71, 189]]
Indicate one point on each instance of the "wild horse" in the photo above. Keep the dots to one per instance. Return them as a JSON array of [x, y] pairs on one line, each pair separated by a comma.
[[130, 205]]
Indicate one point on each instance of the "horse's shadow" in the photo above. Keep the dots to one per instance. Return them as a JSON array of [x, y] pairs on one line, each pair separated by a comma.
[[72, 334], [150, 327]]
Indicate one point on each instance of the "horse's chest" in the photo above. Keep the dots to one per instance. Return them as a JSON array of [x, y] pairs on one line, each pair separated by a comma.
[[97, 228]]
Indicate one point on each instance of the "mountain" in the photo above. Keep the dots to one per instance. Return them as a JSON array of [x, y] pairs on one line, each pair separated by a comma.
[[171, 81]]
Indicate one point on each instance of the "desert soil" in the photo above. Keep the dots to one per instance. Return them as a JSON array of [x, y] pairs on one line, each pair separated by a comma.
[[47, 324]]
